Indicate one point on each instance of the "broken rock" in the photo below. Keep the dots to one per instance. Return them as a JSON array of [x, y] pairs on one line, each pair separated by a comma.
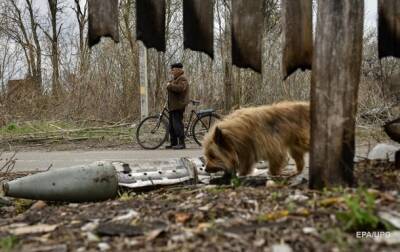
[[281, 248], [383, 152]]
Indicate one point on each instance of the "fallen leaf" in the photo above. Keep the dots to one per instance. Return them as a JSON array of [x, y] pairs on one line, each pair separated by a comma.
[[275, 215], [88, 227], [126, 217], [152, 235], [310, 230], [38, 205], [203, 227], [302, 212], [50, 248], [92, 237], [388, 197], [270, 184], [35, 229], [182, 237], [331, 201], [259, 242], [103, 246], [297, 198], [182, 217], [206, 207]]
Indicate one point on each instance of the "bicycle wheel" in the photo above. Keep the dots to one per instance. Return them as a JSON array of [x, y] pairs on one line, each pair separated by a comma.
[[152, 132], [202, 125]]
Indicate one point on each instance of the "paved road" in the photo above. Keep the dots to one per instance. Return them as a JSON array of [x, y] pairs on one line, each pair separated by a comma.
[[39, 160], [36, 161]]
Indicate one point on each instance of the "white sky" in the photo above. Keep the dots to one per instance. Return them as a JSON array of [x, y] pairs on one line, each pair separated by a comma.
[[371, 13]]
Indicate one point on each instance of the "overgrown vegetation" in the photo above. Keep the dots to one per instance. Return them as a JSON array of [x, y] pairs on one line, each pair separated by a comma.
[[102, 83], [53, 132], [361, 213]]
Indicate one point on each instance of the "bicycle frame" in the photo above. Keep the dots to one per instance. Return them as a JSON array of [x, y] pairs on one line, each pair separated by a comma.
[[193, 116]]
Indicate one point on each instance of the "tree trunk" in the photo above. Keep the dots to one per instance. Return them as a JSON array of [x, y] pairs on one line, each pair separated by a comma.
[[81, 17], [132, 88], [24, 39], [56, 87], [37, 74], [335, 80], [227, 61]]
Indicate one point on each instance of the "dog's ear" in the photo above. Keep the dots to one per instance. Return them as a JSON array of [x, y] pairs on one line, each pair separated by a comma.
[[219, 138]]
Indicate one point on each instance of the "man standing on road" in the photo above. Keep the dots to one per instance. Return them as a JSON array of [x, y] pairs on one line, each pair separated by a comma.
[[178, 98]]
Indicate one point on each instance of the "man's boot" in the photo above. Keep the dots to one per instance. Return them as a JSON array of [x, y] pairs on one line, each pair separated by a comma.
[[172, 145], [181, 144]]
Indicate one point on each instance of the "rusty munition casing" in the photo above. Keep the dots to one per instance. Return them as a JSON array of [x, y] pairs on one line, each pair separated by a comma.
[[84, 183]]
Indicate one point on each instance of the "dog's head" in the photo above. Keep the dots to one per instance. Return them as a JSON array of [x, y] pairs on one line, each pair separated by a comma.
[[219, 152]]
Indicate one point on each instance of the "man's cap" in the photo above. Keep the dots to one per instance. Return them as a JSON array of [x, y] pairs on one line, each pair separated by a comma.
[[177, 65]]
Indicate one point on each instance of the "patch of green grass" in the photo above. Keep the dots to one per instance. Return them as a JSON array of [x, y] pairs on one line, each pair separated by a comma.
[[8, 243], [361, 213], [291, 206], [11, 127], [275, 195], [30, 127], [335, 236], [21, 205], [126, 196], [235, 181], [333, 191]]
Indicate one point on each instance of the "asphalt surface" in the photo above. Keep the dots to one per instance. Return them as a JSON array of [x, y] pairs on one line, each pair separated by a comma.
[[39, 160]]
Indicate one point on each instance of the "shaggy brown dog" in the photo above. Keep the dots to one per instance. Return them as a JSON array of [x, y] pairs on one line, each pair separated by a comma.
[[249, 135]]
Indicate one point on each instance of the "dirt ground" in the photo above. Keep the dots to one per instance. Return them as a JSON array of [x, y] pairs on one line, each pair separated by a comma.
[[209, 218], [269, 216]]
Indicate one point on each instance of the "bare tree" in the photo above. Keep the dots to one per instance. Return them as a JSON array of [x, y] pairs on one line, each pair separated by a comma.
[[53, 37], [37, 74], [131, 87], [82, 19], [25, 34]]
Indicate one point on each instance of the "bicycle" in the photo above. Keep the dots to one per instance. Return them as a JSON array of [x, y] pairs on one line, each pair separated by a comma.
[[152, 131]]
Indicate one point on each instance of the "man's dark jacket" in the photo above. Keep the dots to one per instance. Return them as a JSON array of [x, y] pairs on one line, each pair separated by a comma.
[[178, 93]]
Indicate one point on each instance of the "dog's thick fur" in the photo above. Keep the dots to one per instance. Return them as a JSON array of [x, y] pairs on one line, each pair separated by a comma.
[[249, 135]]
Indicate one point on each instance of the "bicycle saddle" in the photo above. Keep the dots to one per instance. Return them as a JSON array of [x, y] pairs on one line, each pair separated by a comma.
[[195, 102], [205, 112]]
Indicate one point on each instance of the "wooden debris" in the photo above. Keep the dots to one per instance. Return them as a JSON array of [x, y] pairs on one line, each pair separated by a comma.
[[334, 92], [66, 135], [35, 229]]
